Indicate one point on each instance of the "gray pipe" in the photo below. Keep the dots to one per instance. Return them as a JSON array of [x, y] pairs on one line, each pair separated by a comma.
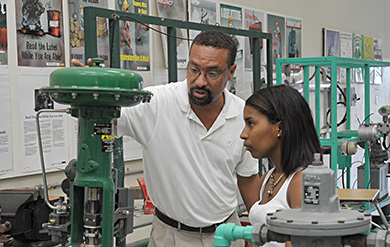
[[41, 155]]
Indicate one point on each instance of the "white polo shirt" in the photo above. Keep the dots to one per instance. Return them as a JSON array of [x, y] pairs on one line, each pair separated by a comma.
[[190, 172]]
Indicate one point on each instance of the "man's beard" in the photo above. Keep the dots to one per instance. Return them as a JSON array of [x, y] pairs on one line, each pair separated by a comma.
[[203, 101]]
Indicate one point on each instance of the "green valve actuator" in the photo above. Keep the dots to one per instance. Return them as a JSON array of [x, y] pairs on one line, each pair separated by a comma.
[[95, 95]]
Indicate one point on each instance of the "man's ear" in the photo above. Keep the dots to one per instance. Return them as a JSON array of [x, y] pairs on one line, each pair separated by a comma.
[[231, 71]]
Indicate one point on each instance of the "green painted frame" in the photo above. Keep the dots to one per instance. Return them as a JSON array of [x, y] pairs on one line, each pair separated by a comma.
[[334, 63]]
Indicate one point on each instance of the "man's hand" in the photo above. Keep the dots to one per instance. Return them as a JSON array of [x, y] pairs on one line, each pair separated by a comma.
[[78, 63]]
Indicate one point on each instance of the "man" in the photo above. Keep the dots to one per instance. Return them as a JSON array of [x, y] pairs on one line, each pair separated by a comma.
[[192, 153]]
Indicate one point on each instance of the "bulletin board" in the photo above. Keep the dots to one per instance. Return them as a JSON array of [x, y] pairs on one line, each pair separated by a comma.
[[5, 123], [55, 127], [40, 48]]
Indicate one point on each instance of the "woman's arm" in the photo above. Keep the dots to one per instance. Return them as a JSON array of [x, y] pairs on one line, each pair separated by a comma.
[[249, 188]]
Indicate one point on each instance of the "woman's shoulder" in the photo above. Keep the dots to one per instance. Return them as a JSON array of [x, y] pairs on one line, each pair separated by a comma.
[[296, 179], [294, 192], [264, 176]]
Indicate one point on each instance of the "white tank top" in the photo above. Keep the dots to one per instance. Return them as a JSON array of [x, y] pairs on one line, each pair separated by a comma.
[[258, 213]]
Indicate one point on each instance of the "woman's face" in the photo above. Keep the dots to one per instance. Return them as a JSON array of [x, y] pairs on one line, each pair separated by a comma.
[[260, 136]]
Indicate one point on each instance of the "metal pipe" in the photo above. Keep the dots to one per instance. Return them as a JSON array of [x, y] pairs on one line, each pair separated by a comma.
[[382, 215], [377, 225], [41, 153], [134, 172]]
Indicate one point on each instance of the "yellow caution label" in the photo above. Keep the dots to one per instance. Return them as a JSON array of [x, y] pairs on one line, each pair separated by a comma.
[[108, 143], [108, 137]]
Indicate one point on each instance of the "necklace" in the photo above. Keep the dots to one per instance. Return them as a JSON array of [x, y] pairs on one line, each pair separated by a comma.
[[273, 185]]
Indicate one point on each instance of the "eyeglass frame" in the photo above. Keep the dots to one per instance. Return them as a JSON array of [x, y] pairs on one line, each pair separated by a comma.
[[206, 73]]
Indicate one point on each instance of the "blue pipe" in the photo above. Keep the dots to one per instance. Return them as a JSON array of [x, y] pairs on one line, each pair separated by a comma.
[[226, 233]]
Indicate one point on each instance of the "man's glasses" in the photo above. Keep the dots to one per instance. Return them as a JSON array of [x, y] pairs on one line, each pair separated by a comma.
[[210, 75]]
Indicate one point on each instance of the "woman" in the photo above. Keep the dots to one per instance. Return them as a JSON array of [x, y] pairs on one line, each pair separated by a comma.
[[279, 126]]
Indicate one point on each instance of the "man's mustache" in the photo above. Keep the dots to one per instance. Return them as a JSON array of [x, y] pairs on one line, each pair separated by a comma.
[[201, 89]]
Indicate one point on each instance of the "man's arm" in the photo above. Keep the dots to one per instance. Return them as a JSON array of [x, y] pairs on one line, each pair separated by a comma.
[[249, 188]]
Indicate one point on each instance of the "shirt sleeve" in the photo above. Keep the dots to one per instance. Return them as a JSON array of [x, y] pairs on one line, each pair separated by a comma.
[[248, 166], [139, 121]]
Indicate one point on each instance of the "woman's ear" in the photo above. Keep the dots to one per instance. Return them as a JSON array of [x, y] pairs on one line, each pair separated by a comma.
[[279, 125]]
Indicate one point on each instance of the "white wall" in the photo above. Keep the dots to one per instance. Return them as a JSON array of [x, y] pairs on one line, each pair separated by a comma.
[[361, 16]]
